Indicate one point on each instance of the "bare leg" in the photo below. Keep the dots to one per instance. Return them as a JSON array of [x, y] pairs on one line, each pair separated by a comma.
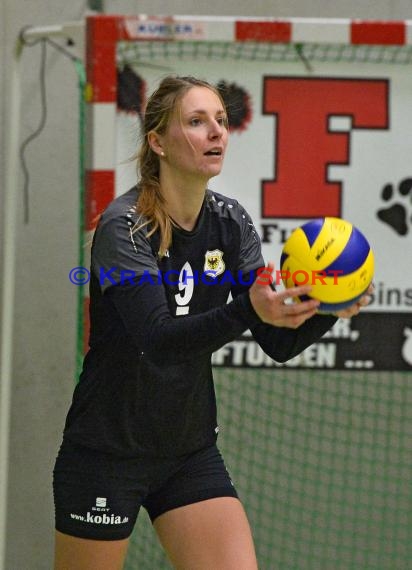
[[72, 553], [209, 534]]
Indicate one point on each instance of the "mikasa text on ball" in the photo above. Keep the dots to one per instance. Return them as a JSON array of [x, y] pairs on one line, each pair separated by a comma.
[[332, 256]]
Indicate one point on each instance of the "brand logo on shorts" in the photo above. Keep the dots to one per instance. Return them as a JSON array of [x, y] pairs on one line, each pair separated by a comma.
[[100, 514], [100, 519], [101, 502]]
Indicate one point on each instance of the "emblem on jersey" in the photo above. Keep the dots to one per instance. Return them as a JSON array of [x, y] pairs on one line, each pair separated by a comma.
[[214, 264]]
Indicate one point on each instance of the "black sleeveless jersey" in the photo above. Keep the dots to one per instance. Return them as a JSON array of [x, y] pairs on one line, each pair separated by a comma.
[[146, 385]]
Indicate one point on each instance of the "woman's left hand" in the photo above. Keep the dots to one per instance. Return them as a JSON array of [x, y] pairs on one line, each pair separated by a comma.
[[356, 307]]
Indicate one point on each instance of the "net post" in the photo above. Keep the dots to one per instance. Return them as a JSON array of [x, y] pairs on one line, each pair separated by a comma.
[[102, 34]]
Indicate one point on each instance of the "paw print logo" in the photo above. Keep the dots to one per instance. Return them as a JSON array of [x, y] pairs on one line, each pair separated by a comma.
[[407, 347], [397, 213]]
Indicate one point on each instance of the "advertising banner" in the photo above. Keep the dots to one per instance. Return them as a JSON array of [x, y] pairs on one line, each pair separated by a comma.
[[332, 141]]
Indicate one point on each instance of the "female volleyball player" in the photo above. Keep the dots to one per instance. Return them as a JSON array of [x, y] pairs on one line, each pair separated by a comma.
[[142, 428]]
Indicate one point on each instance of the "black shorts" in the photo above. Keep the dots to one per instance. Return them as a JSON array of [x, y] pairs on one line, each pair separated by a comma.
[[98, 496]]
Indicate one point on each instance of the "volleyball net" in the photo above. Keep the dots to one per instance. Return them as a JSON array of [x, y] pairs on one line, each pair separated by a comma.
[[320, 448]]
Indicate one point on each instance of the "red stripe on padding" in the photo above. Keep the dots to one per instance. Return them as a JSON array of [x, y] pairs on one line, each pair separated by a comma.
[[102, 34], [277, 32], [99, 193], [378, 33]]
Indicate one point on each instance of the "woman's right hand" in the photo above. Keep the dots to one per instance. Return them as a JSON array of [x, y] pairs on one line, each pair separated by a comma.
[[279, 309]]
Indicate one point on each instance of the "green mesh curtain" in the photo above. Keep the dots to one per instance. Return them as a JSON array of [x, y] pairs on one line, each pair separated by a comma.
[[322, 459]]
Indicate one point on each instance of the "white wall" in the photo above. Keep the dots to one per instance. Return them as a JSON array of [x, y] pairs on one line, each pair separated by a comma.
[[370, 9], [45, 308], [44, 335]]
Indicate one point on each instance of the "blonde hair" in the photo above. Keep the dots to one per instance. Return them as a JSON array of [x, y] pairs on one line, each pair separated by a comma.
[[159, 110]]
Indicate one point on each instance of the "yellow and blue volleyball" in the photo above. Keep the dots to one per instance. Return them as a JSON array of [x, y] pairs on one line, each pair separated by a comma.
[[332, 256]]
